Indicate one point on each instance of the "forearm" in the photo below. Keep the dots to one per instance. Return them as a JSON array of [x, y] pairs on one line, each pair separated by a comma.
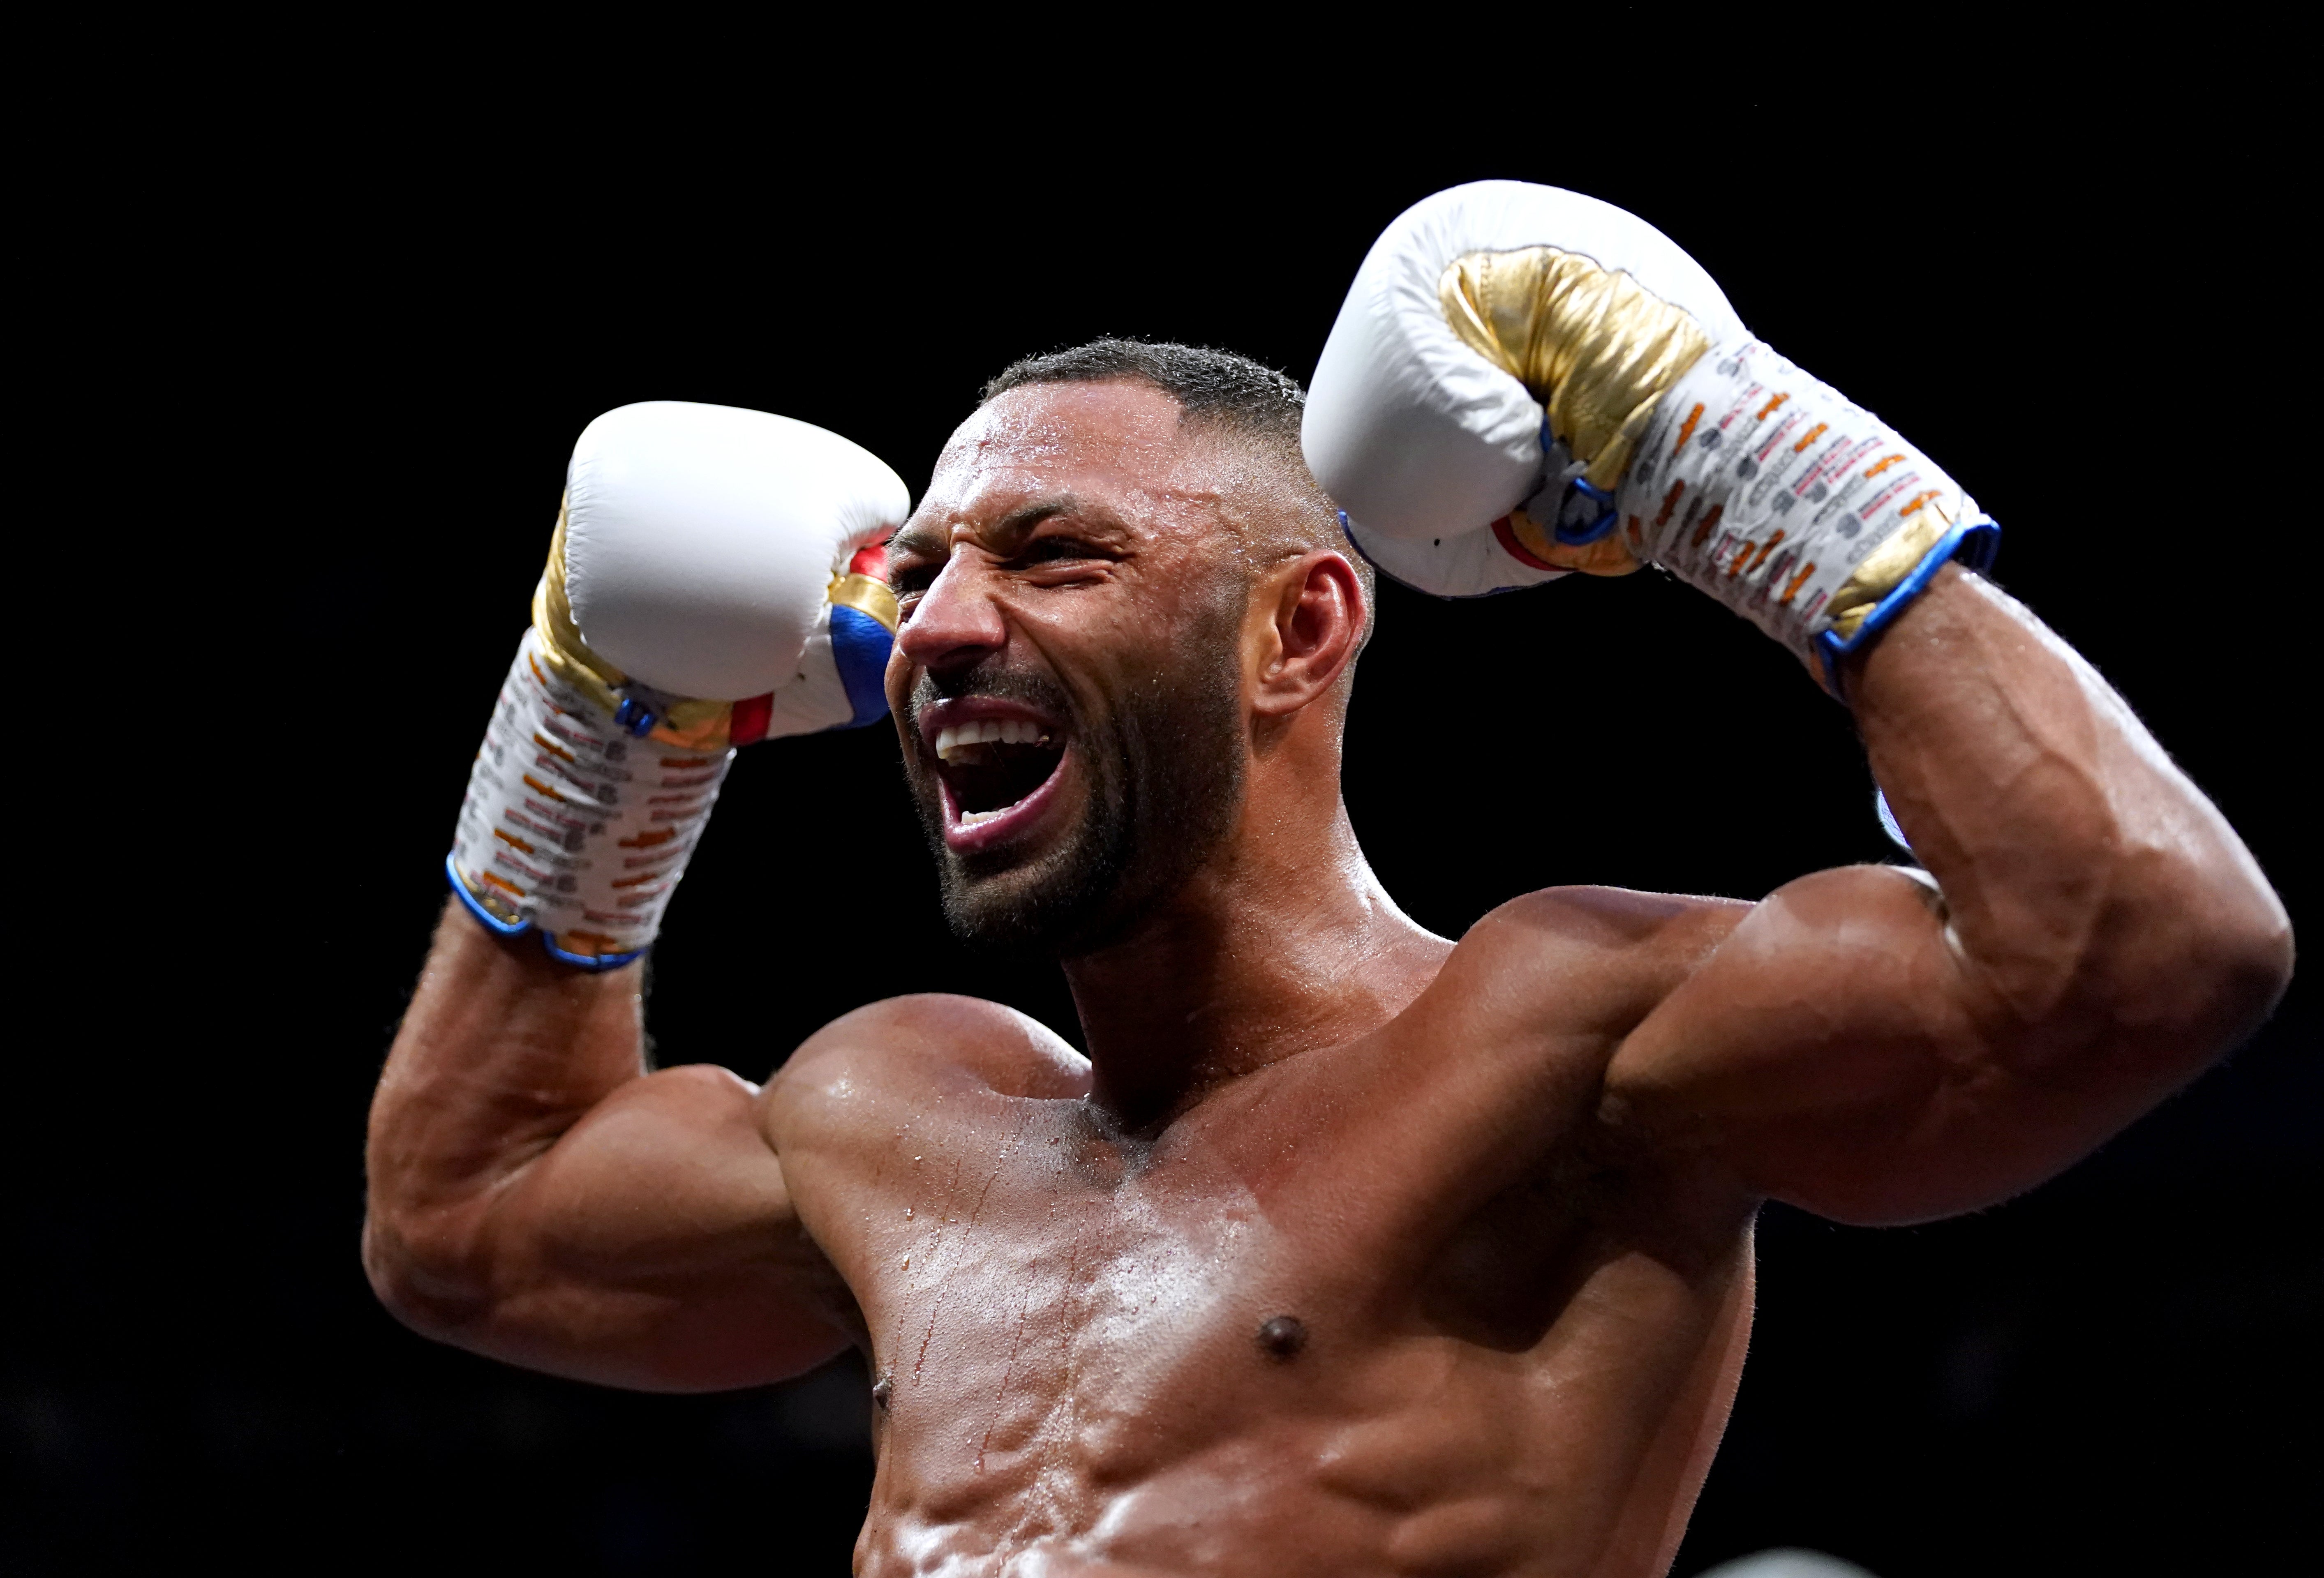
[[501, 1051], [1855, 1044], [713, 580], [2095, 898], [537, 1198]]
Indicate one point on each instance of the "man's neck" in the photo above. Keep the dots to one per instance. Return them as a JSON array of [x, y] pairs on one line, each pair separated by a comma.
[[1280, 945]]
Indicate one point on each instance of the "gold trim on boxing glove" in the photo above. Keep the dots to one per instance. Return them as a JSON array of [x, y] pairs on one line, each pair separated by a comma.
[[561, 638], [696, 726], [1594, 346], [1609, 556], [866, 595], [689, 725], [1886, 566]]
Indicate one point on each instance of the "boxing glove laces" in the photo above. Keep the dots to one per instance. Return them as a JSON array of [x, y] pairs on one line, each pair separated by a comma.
[[717, 577], [1525, 382]]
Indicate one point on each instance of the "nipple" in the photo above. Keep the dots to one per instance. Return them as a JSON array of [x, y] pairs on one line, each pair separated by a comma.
[[1281, 1336]]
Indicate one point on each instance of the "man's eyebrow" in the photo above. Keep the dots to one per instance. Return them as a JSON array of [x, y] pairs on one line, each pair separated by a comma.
[[925, 540], [1020, 522], [928, 539]]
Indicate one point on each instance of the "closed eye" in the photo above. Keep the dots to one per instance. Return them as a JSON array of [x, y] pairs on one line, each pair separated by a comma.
[[911, 578], [1052, 550]]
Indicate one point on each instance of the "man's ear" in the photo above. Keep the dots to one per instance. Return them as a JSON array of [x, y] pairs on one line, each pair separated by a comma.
[[1314, 612]]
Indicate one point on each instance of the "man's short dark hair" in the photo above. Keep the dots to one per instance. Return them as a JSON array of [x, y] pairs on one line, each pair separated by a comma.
[[1210, 386], [1216, 388]]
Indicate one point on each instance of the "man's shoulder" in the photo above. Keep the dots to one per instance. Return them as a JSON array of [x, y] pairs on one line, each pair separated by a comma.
[[1624, 948], [930, 1041], [1619, 917]]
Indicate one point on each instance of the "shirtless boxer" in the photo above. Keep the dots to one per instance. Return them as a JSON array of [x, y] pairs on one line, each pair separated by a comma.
[[1348, 1249]]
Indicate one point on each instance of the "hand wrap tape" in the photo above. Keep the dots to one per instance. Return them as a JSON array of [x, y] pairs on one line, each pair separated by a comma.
[[572, 826]]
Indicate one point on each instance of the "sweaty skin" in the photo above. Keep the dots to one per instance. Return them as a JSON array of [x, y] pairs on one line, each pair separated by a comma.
[[1349, 1250]]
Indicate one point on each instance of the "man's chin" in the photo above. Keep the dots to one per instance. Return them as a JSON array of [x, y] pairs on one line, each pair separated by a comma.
[[1046, 906]]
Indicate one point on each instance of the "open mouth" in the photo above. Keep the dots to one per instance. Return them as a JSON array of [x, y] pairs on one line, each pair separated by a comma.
[[999, 766]]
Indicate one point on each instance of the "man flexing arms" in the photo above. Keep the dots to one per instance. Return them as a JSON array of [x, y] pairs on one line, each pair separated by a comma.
[[1348, 1249]]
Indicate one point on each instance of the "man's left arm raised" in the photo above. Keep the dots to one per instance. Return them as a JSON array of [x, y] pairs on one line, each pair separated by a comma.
[[1878, 1044], [1525, 382]]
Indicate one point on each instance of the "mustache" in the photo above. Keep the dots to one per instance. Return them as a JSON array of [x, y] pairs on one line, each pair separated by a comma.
[[1028, 687]]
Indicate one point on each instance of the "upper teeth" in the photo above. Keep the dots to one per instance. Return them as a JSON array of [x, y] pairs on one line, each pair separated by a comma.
[[990, 731]]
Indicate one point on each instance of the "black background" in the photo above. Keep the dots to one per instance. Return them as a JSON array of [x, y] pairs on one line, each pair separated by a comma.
[[309, 365]]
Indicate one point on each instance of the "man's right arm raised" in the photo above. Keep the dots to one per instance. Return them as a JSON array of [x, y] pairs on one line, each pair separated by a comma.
[[536, 1193], [538, 1197]]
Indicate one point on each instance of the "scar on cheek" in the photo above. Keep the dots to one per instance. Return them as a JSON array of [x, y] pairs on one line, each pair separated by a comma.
[[1281, 1336]]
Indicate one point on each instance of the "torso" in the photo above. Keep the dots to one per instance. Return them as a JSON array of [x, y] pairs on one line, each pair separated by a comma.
[[1519, 1343]]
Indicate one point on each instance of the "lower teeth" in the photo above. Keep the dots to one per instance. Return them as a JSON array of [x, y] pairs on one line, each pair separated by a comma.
[[968, 819]]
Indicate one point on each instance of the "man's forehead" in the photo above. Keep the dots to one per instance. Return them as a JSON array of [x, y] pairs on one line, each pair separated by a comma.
[[1111, 440]]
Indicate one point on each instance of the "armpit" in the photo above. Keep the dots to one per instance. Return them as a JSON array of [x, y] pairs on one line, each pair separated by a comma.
[[1934, 897]]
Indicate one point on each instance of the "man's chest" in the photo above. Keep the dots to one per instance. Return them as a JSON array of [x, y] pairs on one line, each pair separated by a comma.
[[1030, 1291], [1003, 1238], [1078, 1342]]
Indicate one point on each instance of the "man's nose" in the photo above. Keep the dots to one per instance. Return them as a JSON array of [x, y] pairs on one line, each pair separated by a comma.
[[955, 620]]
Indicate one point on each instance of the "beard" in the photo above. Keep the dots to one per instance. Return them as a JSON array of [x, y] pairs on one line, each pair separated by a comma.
[[1163, 773]]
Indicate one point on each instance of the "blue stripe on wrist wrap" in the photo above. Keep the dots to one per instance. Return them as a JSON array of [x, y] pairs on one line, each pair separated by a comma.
[[1972, 542], [592, 962]]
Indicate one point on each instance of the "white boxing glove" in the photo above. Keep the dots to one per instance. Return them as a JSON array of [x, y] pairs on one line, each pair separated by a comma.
[[717, 577], [1524, 381]]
